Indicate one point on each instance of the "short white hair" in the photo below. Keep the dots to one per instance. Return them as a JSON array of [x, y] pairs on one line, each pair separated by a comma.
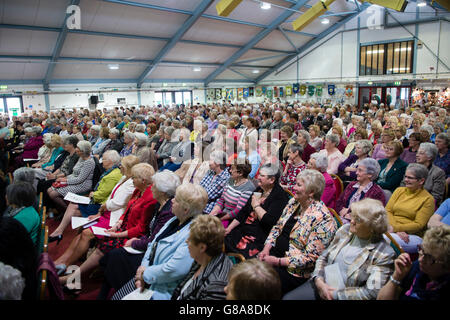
[[12, 283], [166, 181], [95, 127], [141, 138], [321, 161], [113, 156]]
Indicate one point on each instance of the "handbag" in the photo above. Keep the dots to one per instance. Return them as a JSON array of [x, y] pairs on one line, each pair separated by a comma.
[[59, 184]]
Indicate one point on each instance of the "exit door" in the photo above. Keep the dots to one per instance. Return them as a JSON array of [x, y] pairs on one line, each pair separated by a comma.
[[12, 106]]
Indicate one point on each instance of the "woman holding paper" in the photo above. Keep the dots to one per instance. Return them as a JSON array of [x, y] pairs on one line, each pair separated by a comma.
[[357, 263], [167, 260], [109, 178], [133, 222], [108, 214]]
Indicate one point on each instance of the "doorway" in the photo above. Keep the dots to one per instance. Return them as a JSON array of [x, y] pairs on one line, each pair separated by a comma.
[[394, 96]]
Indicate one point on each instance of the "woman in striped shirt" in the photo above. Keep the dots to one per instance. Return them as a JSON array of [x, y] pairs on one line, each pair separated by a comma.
[[236, 193]]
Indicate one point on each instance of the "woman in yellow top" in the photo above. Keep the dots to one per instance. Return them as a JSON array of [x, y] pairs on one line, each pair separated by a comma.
[[410, 208]]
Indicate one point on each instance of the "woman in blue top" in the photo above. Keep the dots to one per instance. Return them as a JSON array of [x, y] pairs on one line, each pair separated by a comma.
[[20, 197], [251, 155], [167, 260]]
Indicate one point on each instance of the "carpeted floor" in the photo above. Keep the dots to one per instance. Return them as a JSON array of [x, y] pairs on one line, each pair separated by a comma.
[[90, 287]]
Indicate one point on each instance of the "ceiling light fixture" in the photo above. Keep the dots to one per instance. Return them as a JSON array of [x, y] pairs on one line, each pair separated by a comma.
[[265, 5], [421, 4], [113, 66], [255, 71], [197, 69], [325, 21]]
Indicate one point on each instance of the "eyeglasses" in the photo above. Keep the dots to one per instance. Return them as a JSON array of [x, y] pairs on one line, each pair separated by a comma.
[[411, 178], [427, 258]]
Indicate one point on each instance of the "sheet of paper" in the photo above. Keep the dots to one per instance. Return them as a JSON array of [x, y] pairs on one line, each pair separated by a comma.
[[30, 159], [80, 221], [99, 231], [138, 295], [333, 276], [132, 251], [113, 218], [72, 197]]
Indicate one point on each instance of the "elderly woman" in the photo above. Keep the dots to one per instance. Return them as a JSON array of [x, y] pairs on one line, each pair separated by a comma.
[[294, 165], [315, 141], [114, 141], [142, 151], [360, 254], [208, 275], [319, 162], [425, 278], [20, 197], [236, 193], [101, 143], [253, 280], [435, 183], [409, 154], [93, 135], [55, 150], [108, 214], [248, 231], [165, 150], [251, 155], [410, 208], [45, 151], [392, 168], [286, 133], [304, 230], [120, 265], [109, 178], [78, 182], [347, 169], [215, 179], [359, 134], [128, 144], [31, 147], [335, 157], [443, 157], [376, 128], [303, 139], [167, 261], [363, 187], [379, 152], [131, 224], [342, 142], [181, 152]]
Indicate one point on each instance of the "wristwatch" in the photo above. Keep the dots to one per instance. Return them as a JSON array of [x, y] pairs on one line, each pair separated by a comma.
[[396, 282]]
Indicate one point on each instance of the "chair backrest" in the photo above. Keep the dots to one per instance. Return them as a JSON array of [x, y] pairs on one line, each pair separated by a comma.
[[48, 277], [236, 257], [397, 248], [98, 170], [41, 201], [289, 192], [338, 184], [337, 218]]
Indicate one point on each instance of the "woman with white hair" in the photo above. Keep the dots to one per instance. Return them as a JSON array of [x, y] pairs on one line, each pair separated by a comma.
[[142, 151], [181, 152], [78, 182], [128, 144], [335, 157], [361, 256], [93, 135], [31, 147], [304, 230], [45, 151], [109, 178], [363, 187], [347, 169], [435, 183], [319, 161], [114, 143], [165, 149], [167, 260], [410, 208]]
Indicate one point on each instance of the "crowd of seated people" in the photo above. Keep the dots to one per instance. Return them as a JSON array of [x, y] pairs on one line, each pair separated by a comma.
[[322, 202]]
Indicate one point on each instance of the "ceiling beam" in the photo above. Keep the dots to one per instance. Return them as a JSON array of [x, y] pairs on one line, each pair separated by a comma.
[[311, 43], [58, 47], [263, 33], [201, 8]]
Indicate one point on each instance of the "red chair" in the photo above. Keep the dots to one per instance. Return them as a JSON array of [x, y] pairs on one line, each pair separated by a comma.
[[338, 184]]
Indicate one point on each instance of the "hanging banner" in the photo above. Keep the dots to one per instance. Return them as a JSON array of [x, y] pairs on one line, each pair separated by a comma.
[[331, 89], [210, 94], [311, 90], [264, 91], [349, 91], [319, 89], [218, 94], [258, 91], [302, 89], [224, 93], [235, 93], [275, 92], [288, 91], [246, 92], [240, 94], [269, 93], [281, 92], [229, 94], [251, 91], [296, 87]]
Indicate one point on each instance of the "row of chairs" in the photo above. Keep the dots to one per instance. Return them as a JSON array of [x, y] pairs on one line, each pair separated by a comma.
[[42, 248]]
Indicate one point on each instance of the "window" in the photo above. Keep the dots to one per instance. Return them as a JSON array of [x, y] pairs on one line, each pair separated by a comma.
[[387, 58], [170, 97]]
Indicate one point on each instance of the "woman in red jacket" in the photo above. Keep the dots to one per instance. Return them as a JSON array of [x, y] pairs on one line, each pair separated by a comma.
[[132, 224]]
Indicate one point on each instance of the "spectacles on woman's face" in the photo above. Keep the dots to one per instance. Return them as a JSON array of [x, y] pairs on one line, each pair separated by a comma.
[[426, 257], [410, 178]]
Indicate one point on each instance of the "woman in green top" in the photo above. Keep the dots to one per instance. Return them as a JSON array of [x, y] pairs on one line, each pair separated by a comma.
[[20, 197], [109, 178]]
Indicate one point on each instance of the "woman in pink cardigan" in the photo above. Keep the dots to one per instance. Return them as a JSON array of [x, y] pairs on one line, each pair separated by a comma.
[[318, 161], [31, 148]]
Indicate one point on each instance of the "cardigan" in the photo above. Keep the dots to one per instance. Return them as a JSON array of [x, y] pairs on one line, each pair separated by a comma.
[[367, 274], [106, 185], [118, 198], [394, 176], [308, 150], [375, 192], [30, 219], [409, 211]]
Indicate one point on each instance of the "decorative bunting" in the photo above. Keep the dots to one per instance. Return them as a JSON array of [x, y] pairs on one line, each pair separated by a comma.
[[319, 89], [311, 90], [224, 93], [302, 89], [269, 93], [218, 94], [240, 94], [349, 91], [288, 91], [281, 92], [331, 89], [258, 91], [251, 91], [246, 92], [276, 92], [296, 88]]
